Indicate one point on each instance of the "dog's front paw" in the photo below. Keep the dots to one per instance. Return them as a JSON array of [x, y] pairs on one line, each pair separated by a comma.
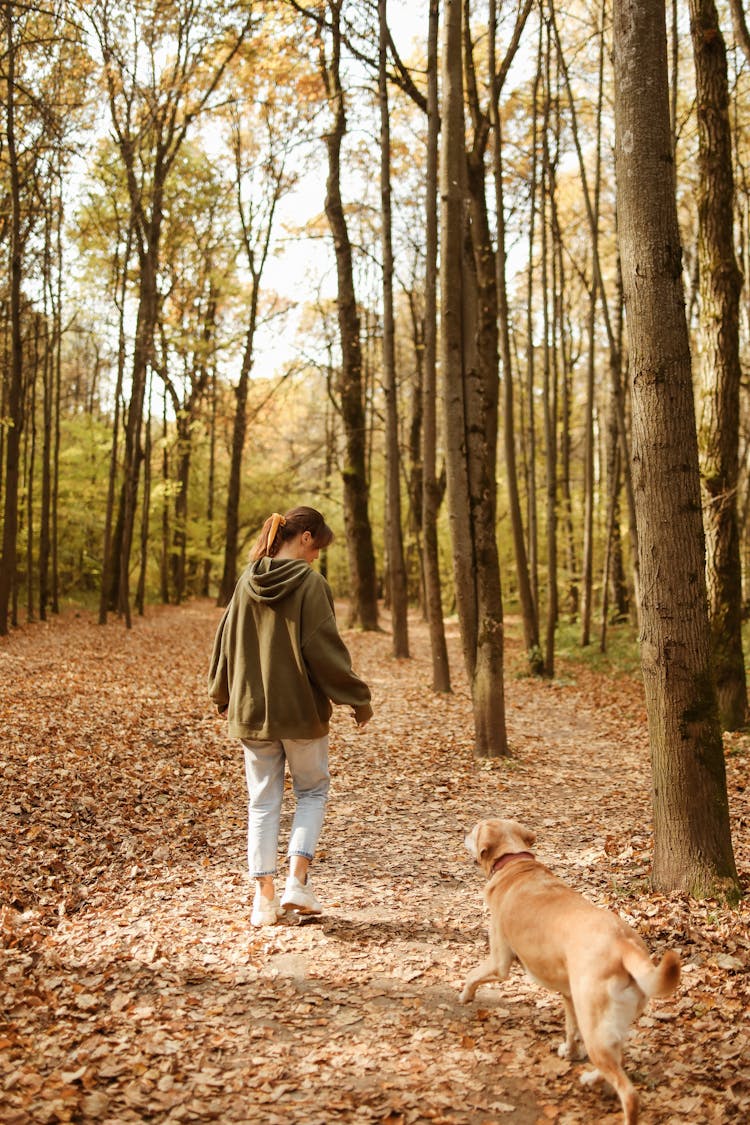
[[466, 995], [590, 1077]]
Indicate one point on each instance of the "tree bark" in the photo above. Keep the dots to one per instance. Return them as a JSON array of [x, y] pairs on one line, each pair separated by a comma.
[[549, 385], [692, 841], [719, 362], [469, 419], [140, 590], [531, 438], [529, 614], [107, 560], [360, 551], [15, 383], [587, 561], [431, 490], [396, 566]]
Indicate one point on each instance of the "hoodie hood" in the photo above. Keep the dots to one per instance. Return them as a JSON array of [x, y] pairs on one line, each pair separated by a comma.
[[271, 580]]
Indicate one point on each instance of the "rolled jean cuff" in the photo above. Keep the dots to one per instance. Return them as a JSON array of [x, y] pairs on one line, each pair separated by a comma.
[[262, 874], [304, 855]]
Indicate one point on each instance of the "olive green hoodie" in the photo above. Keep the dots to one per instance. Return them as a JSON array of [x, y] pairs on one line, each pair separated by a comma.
[[278, 660]]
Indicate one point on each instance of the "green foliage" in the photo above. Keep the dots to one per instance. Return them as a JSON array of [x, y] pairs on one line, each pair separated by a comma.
[[84, 465], [621, 658]]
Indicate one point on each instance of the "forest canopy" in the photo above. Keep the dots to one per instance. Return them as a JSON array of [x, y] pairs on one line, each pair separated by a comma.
[[170, 178], [221, 296]]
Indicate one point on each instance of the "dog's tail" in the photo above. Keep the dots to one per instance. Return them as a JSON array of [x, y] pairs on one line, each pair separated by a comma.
[[653, 980]]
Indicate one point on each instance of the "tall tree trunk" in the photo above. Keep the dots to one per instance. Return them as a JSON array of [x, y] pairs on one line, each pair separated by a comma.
[[57, 413], [528, 607], [211, 485], [30, 470], [719, 365], [614, 582], [179, 529], [51, 344], [564, 381], [587, 558], [549, 386], [107, 560], [587, 561], [531, 442], [5, 338], [165, 537], [615, 358], [396, 566], [692, 841], [140, 593], [413, 546], [361, 554], [257, 246], [468, 418], [142, 355], [239, 430], [15, 385], [431, 490]]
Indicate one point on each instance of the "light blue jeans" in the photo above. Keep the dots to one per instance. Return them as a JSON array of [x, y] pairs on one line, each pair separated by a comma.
[[264, 770]]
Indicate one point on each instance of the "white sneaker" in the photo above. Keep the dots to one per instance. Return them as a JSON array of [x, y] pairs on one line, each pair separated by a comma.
[[300, 897], [266, 912]]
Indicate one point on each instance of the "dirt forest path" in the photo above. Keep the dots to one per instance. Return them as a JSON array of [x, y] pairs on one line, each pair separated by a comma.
[[134, 990]]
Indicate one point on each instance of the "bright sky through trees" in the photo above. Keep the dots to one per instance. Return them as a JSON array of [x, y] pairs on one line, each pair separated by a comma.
[[303, 267]]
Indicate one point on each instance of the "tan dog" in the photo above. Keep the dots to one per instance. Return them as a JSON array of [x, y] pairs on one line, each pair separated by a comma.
[[598, 963]]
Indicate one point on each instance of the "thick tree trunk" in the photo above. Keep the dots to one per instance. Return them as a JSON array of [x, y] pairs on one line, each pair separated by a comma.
[[719, 366], [692, 841]]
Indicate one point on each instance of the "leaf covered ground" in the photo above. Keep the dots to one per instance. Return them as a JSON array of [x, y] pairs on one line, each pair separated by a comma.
[[133, 988]]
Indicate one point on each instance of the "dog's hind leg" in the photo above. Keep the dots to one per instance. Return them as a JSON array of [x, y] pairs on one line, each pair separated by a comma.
[[495, 967], [572, 1046], [608, 1066], [604, 1021]]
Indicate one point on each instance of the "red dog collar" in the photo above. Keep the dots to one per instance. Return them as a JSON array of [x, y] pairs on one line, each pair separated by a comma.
[[501, 861]]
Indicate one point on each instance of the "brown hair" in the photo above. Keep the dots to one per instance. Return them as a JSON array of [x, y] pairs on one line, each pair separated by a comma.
[[281, 529]]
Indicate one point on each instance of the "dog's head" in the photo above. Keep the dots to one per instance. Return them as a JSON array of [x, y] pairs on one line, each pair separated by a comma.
[[489, 840]]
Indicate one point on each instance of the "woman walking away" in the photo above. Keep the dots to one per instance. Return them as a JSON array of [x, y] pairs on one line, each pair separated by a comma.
[[278, 663]]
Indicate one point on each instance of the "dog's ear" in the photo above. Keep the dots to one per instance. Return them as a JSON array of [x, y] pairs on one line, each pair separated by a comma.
[[522, 833], [470, 843]]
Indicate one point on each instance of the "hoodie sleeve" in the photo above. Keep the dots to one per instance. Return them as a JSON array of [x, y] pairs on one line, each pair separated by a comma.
[[218, 673], [329, 662]]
